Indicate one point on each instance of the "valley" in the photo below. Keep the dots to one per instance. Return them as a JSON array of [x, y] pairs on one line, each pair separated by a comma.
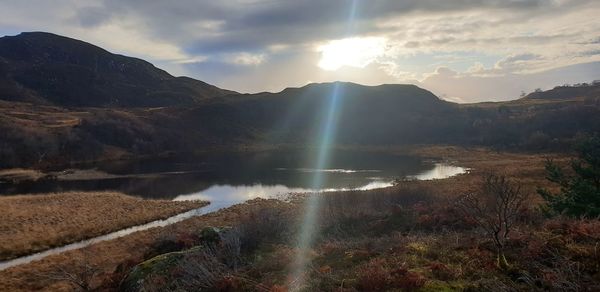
[[116, 175]]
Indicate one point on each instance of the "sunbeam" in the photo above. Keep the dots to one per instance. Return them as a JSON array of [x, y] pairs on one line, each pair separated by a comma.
[[309, 227]]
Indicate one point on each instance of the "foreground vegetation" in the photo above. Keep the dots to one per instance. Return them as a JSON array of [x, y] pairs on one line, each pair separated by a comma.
[[411, 236], [30, 223], [415, 236], [400, 240]]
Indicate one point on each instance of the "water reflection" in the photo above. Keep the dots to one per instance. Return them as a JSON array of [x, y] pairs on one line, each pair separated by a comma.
[[236, 177], [222, 196], [440, 171], [226, 195]]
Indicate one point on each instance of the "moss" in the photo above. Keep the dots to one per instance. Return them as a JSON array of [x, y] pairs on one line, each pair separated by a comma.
[[161, 264], [156, 265]]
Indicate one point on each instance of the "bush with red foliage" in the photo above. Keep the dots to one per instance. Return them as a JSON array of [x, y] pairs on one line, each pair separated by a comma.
[[441, 271], [229, 283], [406, 280], [377, 275], [435, 216], [374, 276], [278, 288], [483, 259]]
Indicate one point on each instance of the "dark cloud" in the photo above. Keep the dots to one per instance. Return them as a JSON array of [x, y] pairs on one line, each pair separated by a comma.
[[253, 25]]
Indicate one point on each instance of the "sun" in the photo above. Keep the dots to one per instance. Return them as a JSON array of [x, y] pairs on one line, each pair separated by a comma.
[[355, 52]]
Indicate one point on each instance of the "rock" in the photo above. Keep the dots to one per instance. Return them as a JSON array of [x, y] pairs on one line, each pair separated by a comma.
[[161, 265], [156, 265]]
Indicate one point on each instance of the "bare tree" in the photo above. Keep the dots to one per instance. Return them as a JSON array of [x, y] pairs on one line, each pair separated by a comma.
[[495, 208]]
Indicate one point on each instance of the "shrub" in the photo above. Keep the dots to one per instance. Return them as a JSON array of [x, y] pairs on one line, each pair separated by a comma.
[[169, 243], [495, 208], [556, 273], [407, 280], [579, 193], [260, 226], [441, 271], [374, 276]]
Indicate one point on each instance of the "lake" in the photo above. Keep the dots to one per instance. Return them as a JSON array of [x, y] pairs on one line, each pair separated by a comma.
[[223, 178]]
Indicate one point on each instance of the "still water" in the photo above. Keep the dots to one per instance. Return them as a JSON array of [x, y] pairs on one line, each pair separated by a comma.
[[229, 178]]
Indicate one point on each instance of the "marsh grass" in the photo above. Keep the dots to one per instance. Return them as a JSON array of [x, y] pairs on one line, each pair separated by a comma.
[[31, 223], [408, 235]]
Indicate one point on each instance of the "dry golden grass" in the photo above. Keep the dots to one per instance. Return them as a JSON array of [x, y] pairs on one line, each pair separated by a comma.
[[110, 254], [526, 168], [30, 223], [19, 174], [39, 115]]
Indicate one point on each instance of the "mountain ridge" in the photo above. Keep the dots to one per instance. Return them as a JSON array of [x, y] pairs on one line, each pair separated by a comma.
[[47, 68], [46, 120]]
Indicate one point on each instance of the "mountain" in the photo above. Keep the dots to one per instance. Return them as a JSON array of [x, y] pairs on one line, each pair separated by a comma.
[[45, 68], [296, 115], [64, 101], [43, 135]]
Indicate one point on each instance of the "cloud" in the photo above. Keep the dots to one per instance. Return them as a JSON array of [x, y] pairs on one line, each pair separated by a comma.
[[474, 87], [246, 59], [233, 42]]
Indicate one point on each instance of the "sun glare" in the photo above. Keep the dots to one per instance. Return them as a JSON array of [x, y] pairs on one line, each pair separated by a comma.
[[352, 52]]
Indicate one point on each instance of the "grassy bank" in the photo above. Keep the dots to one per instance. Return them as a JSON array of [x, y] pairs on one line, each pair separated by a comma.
[[409, 232], [30, 223], [111, 259]]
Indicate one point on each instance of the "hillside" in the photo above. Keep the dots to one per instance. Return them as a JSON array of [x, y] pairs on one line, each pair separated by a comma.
[[44, 68], [567, 92], [42, 134], [296, 115], [63, 101]]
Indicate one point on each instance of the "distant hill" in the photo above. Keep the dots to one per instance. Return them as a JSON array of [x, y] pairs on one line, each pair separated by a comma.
[[63, 101], [45, 68], [364, 114], [568, 92]]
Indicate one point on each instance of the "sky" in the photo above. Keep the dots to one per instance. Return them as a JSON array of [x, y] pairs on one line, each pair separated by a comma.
[[462, 50]]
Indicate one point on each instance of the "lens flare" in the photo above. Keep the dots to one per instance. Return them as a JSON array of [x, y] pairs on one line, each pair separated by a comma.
[[309, 227]]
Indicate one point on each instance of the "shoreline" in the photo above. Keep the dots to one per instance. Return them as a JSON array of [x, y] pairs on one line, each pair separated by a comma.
[[110, 254], [38, 222], [81, 170], [25, 259]]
